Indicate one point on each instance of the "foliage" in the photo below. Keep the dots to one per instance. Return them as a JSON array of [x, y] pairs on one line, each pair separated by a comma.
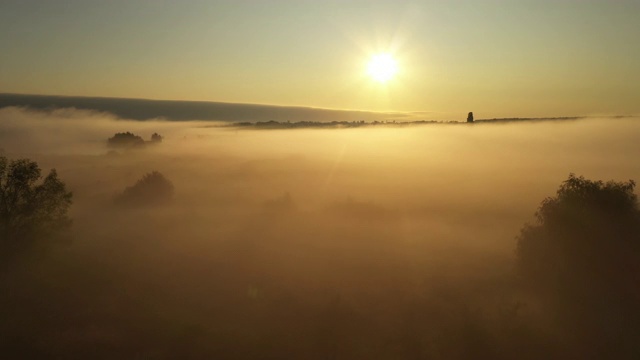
[[582, 256], [125, 140], [152, 189], [156, 138], [30, 212]]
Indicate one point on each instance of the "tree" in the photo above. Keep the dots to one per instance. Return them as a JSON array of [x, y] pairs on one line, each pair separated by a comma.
[[30, 213], [125, 140], [156, 138], [581, 258], [152, 189]]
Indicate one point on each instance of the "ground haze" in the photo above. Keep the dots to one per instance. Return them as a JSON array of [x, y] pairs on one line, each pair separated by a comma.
[[368, 243]]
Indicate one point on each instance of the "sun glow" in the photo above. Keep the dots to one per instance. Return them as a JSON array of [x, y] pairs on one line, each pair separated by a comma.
[[382, 67]]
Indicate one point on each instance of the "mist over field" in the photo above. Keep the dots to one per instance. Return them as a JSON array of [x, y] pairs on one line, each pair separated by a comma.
[[368, 243]]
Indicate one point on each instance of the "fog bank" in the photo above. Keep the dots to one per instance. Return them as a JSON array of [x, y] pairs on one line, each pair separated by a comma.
[[283, 231]]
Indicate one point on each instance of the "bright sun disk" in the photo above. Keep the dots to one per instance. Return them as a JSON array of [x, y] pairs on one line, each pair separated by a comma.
[[382, 67]]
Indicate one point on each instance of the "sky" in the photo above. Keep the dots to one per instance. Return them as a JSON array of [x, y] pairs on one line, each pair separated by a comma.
[[519, 58]]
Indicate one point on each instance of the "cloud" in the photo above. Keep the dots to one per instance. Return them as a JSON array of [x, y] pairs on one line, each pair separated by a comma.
[[144, 109]]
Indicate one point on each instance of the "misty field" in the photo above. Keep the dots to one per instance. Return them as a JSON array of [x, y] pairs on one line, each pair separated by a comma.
[[368, 243]]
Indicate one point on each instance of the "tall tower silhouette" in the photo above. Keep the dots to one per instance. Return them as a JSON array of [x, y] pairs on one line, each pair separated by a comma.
[[470, 117]]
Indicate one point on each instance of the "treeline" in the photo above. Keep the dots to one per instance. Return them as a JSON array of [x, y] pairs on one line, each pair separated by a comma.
[[127, 139], [272, 124]]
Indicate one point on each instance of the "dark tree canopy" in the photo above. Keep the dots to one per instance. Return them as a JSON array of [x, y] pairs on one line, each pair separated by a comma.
[[156, 138], [589, 229], [125, 140], [30, 213], [583, 258], [152, 189]]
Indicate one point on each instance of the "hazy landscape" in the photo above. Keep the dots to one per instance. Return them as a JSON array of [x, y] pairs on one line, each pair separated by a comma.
[[336, 243], [330, 180]]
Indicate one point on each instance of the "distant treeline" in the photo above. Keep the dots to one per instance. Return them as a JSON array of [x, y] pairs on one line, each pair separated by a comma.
[[272, 124]]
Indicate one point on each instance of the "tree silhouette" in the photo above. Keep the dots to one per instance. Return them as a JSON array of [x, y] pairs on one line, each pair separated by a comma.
[[582, 259], [156, 138], [30, 212], [152, 189], [125, 140]]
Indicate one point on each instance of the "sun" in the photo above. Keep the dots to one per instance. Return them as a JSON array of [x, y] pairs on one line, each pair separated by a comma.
[[382, 67]]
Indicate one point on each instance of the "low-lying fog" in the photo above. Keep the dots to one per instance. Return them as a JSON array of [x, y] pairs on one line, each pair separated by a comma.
[[368, 243]]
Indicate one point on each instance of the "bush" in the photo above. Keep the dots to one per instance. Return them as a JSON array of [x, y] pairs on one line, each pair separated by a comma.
[[153, 189], [30, 212]]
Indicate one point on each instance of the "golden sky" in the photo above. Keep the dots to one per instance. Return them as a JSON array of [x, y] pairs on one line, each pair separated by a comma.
[[496, 58]]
